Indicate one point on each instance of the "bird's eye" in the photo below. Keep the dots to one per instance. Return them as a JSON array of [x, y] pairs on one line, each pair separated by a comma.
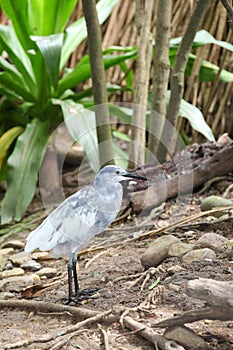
[[117, 172]]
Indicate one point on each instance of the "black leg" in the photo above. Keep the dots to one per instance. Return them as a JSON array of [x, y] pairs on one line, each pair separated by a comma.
[[75, 275], [70, 282]]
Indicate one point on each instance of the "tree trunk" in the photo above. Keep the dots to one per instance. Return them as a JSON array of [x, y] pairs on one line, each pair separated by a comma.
[[99, 83], [143, 22], [160, 77], [177, 80]]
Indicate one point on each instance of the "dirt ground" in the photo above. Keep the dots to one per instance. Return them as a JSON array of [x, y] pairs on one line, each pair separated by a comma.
[[115, 270]]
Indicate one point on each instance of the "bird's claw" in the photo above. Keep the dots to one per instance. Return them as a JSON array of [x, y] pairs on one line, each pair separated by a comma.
[[84, 294]]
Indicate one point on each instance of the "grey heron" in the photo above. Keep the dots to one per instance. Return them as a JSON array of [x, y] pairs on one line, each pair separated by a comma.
[[80, 217]]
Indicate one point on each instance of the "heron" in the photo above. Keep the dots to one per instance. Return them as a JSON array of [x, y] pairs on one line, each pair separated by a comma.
[[86, 213]]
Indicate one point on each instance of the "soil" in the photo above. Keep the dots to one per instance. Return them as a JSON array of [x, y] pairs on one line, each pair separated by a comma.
[[113, 271]]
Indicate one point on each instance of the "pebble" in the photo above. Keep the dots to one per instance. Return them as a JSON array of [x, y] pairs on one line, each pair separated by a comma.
[[17, 283], [199, 255], [48, 272], [17, 271], [6, 251], [9, 265], [16, 244], [42, 256], [6, 295], [215, 202], [2, 262], [31, 265], [211, 240], [179, 249], [186, 337], [158, 251], [19, 258]]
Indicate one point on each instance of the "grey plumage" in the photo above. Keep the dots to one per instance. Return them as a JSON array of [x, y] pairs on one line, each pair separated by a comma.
[[81, 216]]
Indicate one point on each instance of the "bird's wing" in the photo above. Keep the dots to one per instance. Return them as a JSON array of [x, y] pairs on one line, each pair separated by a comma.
[[72, 224]]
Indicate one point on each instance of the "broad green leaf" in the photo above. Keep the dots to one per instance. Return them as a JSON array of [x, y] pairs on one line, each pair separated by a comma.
[[10, 43], [17, 11], [6, 141], [77, 31], [83, 72], [50, 48], [22, 172], [49, 17], [202, 38], [81, 126], [196, 119], [121, 136], [7, 83]]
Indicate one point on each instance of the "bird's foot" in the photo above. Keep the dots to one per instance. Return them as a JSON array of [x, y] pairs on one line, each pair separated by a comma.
[[84, 294]]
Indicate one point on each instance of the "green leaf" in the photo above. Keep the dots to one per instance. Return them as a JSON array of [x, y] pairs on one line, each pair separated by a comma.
[[81, 126], [82, 71], [7, 83], [17, 11], [6, 141], [196, 119], [154, 284], [23, 166], [10, 43], [49, 17], [77, 31], [50, 48]]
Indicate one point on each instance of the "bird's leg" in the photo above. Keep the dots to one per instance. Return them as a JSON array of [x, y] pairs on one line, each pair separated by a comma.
[[75, 275], [70, 282]]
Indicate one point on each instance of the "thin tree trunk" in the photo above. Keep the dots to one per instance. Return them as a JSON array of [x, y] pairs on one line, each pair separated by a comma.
[[143, 18], [160, 77], [98, 81], [228, 6], [177, 80]]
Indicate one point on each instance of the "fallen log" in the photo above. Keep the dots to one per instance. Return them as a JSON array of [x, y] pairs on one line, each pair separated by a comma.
[[218, 296], [187, 172]]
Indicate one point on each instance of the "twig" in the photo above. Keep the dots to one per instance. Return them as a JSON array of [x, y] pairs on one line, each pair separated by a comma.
[[156, 339], [49, 337], [47, 308], [95, 257], [104, 338]]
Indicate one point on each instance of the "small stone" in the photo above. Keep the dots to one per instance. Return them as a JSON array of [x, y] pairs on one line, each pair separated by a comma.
[[2, 262], [6, 251], [175, 268], [48, 272], [16, 284], [211, 202], [186, 337], [211, 240], [199, 255], [31, 265], [158, 251], [180, 249], [6, 295], [17, 271], [19, 258], [42, 256], [164, 216], [9, 265], [16, 244]]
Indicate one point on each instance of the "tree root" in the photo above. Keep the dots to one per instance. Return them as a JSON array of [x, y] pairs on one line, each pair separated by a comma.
[[70, 329]]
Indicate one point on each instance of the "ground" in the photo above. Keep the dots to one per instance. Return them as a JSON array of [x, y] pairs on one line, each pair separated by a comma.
[[115, 270]]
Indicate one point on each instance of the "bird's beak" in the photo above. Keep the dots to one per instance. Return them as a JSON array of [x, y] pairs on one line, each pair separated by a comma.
[[134, 176]]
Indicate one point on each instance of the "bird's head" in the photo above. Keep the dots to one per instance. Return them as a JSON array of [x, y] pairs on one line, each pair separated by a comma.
[[113, 173]]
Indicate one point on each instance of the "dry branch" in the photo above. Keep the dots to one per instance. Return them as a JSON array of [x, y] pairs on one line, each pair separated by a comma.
[[70, 329], [218, 298], [218, 163], [146, 332], [48, 308]]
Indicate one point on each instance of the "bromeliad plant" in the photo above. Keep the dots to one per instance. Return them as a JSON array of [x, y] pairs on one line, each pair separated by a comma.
[[34, 84]]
